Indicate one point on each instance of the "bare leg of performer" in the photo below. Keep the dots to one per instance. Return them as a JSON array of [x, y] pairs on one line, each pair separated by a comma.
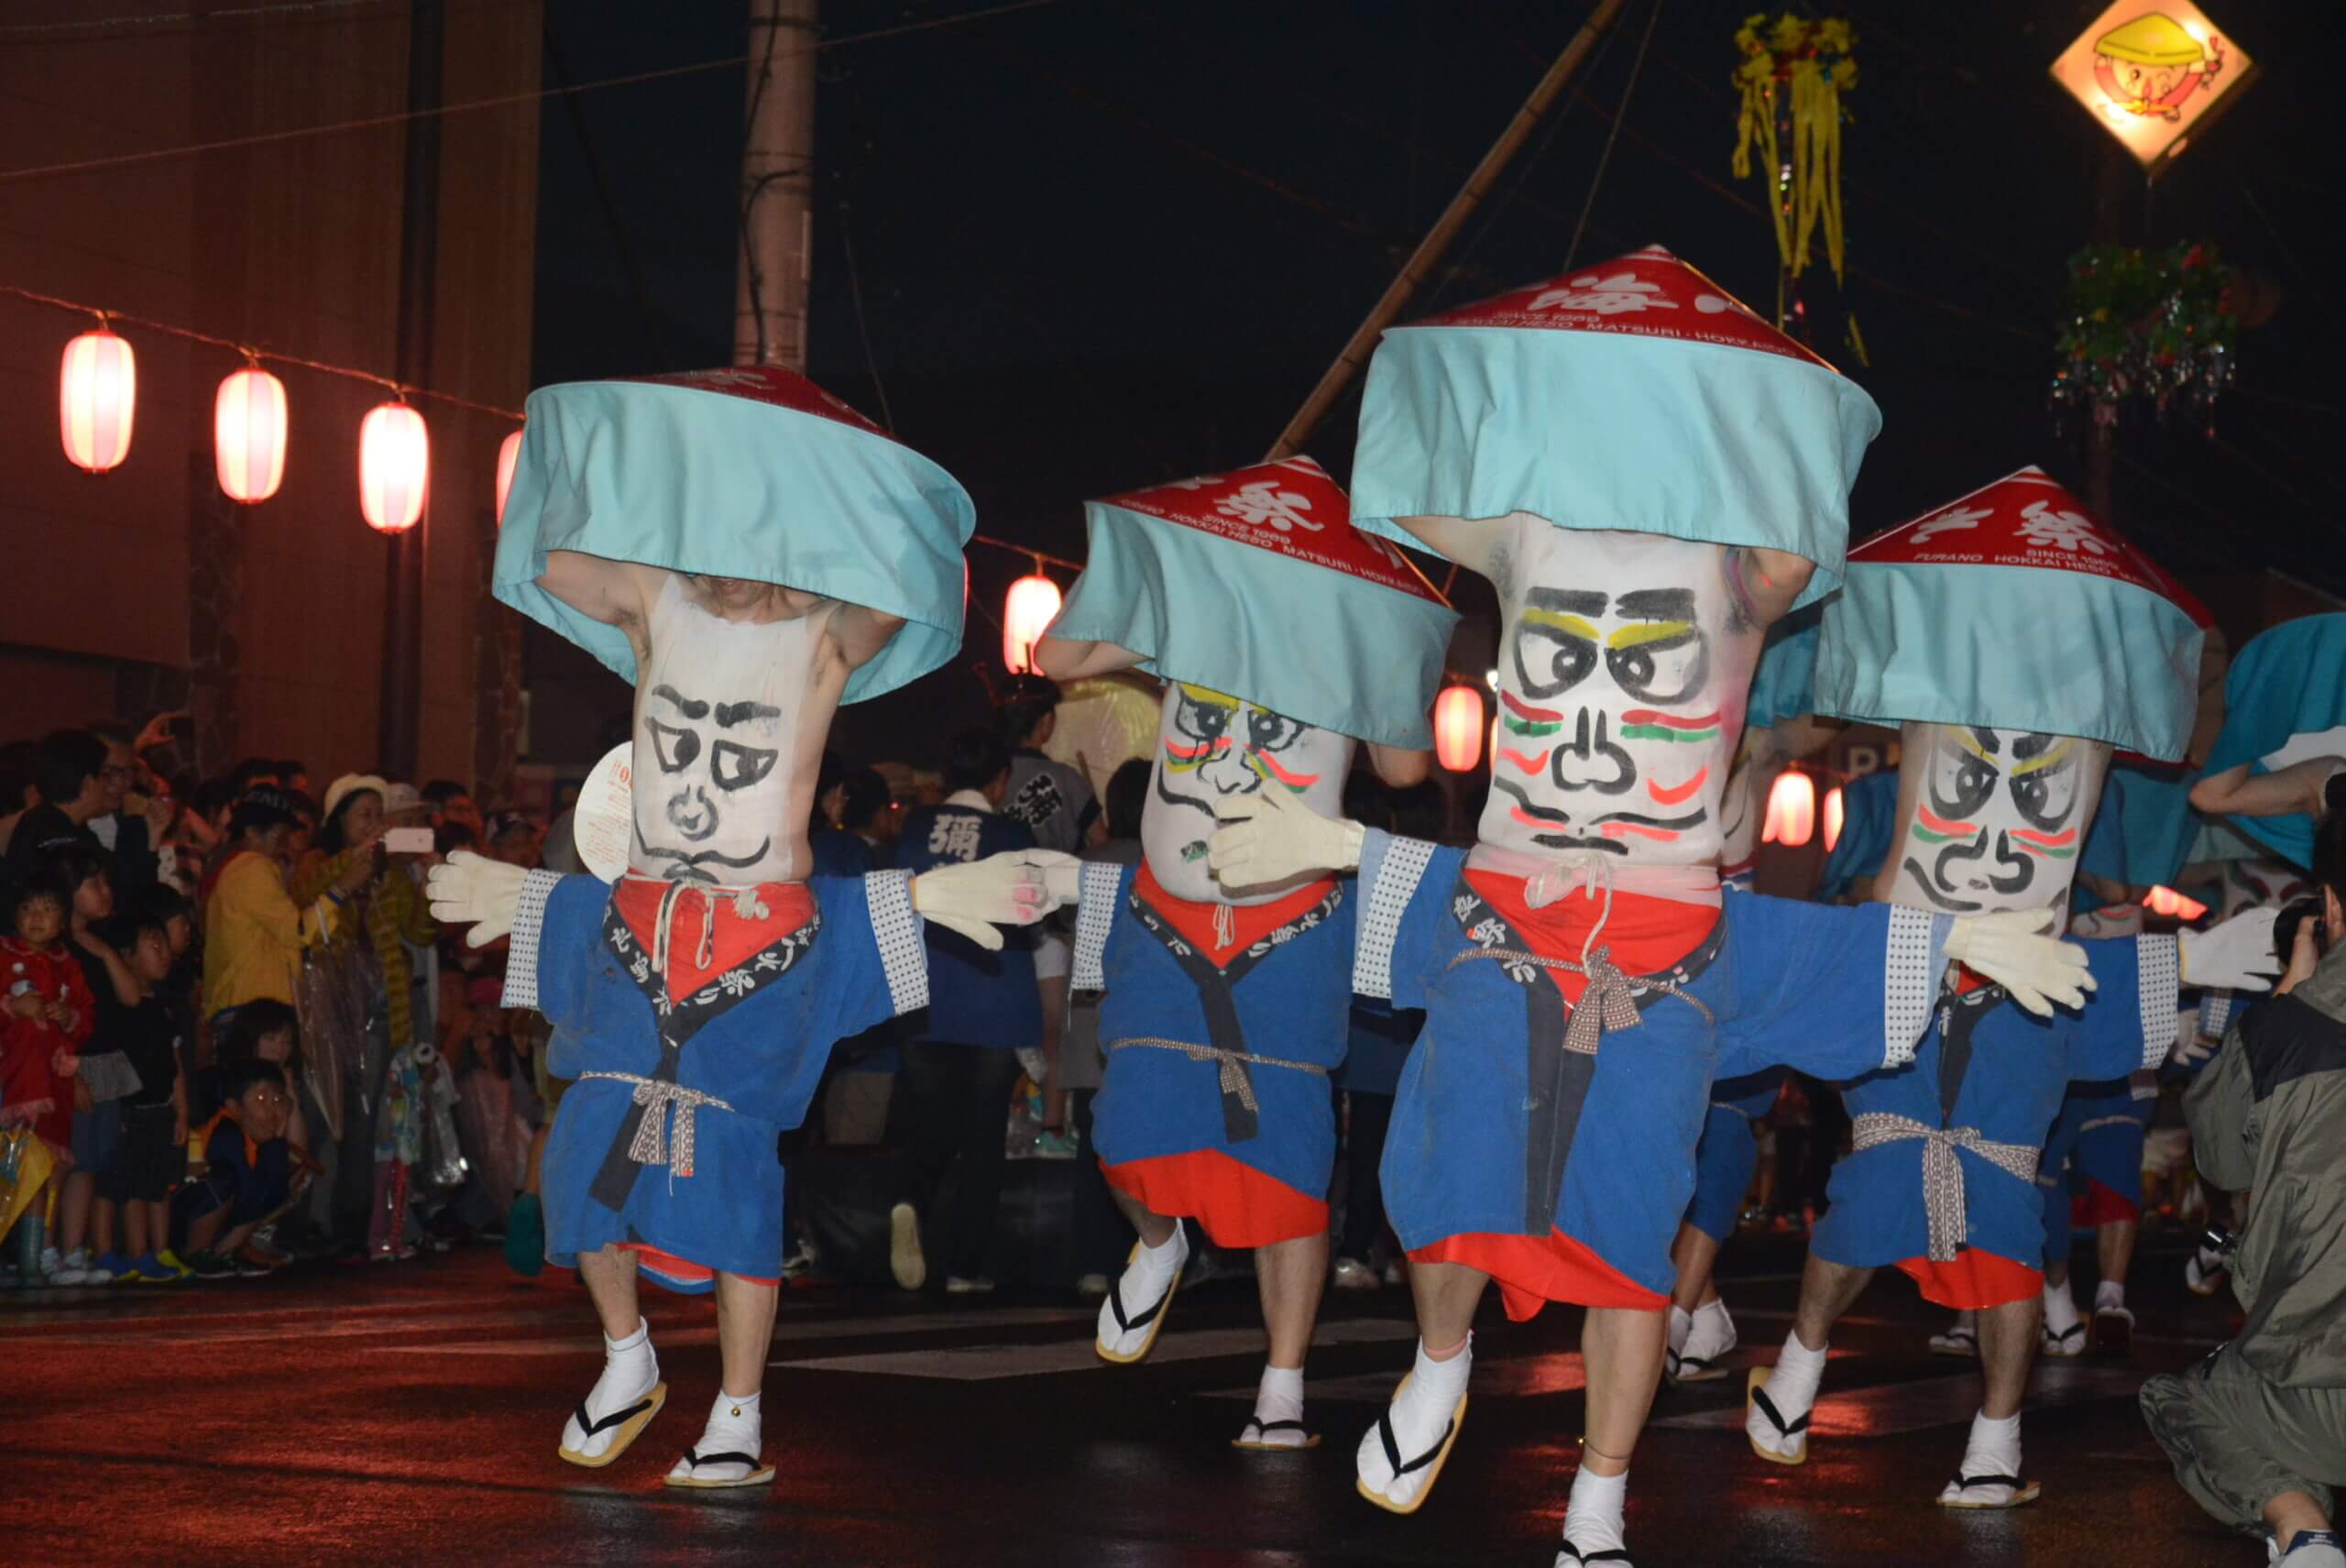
[[1401, 1455], [1621, 1350], [629, 1393], [1290, 1275], [1701, 1331]]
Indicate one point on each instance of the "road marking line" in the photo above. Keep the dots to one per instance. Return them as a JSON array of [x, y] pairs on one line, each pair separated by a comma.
[[985, 1363]]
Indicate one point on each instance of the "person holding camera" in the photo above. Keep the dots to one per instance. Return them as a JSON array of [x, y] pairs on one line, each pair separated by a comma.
[[2257, 1431]]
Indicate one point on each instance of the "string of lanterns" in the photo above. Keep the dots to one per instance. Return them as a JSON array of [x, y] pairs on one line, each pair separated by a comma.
[[98, 407]]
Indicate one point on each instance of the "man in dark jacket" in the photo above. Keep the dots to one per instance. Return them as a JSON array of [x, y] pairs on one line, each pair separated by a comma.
[[953, 1091], [2257, 1431]]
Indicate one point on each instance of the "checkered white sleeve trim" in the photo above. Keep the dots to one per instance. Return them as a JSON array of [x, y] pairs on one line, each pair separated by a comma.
[[2215, 1012], [521, 952], [2158, 964], [904, 957], [1390, 869], [1913, 960], [1095, 914]]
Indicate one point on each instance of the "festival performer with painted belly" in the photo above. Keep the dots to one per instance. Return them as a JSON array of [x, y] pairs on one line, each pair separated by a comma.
[[1648, 475], [1777, 731], [696, 996], [2015, 656], [1285, 639]]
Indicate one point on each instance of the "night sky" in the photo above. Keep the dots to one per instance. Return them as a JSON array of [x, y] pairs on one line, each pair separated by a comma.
[[1104, 243]]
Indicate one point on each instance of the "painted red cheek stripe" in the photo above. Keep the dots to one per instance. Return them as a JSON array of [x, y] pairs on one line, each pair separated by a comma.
[[1522, 709], [1669, 720], [1191, 753], [1937, 824], [1292, 780], [1663, 834], [1525, 764], [2050, 841], [1670, 795]]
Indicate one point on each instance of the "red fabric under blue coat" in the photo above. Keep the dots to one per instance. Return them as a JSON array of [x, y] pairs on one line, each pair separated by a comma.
[[753, 1028], [1564, 1175], [1988, 1064], [1167, 1132]]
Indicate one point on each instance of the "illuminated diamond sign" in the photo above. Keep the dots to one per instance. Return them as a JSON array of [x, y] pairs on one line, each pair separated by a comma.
[[2155, 73]]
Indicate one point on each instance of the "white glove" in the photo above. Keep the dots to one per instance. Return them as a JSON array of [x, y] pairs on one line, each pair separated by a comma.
[[1009, 889], [1270, 836], [469, 889], [2190, 1048], [2013, 948], [2237, 955]]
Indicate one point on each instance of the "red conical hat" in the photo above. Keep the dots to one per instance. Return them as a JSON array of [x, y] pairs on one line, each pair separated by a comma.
[[1290, 508], [767, 384], [1647, 293], [2023, 519]]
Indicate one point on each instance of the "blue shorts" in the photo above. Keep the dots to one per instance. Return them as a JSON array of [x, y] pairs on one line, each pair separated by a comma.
[[96, 1135]]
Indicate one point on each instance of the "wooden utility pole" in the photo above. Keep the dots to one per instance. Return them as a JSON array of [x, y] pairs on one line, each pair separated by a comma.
[[1429, 250], [777, 209]]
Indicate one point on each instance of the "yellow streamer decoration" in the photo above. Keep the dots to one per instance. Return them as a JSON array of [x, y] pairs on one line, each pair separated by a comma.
[[1810, 61]]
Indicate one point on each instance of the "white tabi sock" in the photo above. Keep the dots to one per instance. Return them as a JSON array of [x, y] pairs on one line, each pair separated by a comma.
[[1792, 1386], [735, 1426], [2110, 1295], [1681, 1322], [1994, 1448], [630, 1371], [1153, 1266], [1141, 1286], [1593, 1517], [1424, 1406], [1278, 1397], [1713, 1327], [2060, 1309]]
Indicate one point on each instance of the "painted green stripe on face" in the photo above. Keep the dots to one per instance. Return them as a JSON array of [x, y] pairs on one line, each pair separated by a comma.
[[1656, 732], [1521, 727]]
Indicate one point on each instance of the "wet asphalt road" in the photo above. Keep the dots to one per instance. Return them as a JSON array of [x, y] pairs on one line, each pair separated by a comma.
[[410, 1413]]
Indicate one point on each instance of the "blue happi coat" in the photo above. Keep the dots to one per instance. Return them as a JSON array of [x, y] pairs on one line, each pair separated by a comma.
[[756, 1037], [1729, 1151], [1990, 1067], [1286, 995], [1500, 1128]]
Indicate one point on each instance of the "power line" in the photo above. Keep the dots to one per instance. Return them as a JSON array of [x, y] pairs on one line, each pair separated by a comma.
[[501, 100], [1605, 158]]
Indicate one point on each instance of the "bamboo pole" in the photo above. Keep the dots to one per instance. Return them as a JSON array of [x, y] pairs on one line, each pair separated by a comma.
[[1445, 229]]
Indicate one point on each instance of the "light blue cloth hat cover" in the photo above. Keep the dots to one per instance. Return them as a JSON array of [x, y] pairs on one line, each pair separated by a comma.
[[2287, 681], [1784, 685], [681, 473], [1320, 644]]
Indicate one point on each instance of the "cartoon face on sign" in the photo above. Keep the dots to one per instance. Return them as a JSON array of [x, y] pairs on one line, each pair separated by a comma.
[[1212, 748], [719, 795], [1992, 820], [1622, 674]]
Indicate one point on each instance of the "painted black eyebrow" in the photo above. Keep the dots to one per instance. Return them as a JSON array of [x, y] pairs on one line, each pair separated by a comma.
[[1989, 743], [1575, 601], [2031, 745], [729, 714], [684, 705], [1657, 603]]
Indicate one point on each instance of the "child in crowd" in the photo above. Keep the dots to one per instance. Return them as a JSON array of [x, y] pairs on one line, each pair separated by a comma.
[[46, 1016], [250, 1174], [150, 1155], [85, 1228]]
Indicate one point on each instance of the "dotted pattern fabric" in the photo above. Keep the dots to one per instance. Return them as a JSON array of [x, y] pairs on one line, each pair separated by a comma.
[[1911, 970], [1095, 914], [1391, 869], [904, 958], [2158, 966], [522, 954]]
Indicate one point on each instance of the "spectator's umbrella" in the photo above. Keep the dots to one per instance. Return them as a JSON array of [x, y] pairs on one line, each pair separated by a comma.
[[1635, 394], [2012, 607], [2285, 702], [754, 474], [1256, 583], [1104, 721]]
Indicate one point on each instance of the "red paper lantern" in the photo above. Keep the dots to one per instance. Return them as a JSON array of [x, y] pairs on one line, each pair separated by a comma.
[[1791, 809], [248, 435], [509, 451], [97, 394], [1033, 604], [1458, 729], [1833, 816], [394, 467]]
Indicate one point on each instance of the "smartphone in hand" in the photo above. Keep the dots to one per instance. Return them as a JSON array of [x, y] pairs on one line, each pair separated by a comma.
[[407, 841]]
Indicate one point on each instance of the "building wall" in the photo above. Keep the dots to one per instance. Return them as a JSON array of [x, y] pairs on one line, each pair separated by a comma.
[[293, 247]]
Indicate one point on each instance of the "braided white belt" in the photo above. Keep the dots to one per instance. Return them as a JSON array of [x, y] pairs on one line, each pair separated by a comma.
[[1942, 1170], [651, 1142], [1235, 1082]]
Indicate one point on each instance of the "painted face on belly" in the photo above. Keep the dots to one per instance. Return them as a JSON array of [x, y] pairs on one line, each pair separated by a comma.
[[1624, 670], [1212, 748], [720, 794], [1992, 820]]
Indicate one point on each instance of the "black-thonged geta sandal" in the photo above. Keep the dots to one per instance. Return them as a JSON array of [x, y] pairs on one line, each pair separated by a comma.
[[758, 1475], [1430, 1461], [1258, 1434], [1151, 1317], [1755, 1397], [631, 1421], [2018, 1492]]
